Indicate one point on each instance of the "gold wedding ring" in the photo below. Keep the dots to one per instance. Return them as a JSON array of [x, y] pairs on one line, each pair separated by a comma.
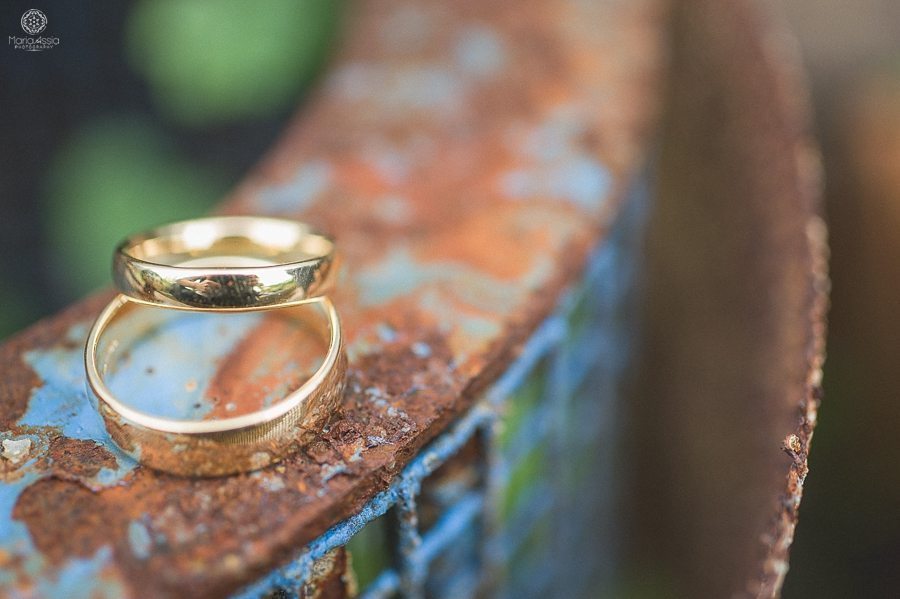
[[228, 445], [220, 264], [226, 263]]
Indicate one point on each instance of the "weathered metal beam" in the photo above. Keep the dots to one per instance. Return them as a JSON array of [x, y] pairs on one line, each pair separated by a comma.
[[737, 288], [467, 156]]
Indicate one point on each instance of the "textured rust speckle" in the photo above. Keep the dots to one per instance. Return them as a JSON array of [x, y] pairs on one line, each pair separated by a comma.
[[330, 577], [63, 519], [77, 458], [16, 374]]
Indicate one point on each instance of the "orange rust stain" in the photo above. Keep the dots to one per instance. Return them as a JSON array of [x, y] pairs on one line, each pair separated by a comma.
[[493, 241], [52, 505], [276, 357]]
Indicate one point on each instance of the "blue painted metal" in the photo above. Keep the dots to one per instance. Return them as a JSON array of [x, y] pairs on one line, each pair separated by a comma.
[[584, 366]]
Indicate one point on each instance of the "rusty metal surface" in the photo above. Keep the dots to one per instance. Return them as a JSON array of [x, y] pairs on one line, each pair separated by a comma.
[[466, 156], [737, 291]]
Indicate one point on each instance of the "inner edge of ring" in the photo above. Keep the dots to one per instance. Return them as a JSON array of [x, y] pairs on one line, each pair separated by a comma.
[[235, 423]]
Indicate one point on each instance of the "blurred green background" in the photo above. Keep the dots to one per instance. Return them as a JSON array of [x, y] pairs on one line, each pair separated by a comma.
[[148, 111]]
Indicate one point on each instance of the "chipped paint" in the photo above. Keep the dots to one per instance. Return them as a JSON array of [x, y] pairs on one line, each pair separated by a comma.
[[397, 92], [393, 209], [399, 274], [309, 183], [61, 403], [83, 579], [421, 349], [268, 481], [139, 539], [480, 51], [16, 450], [173, 383], [558, 166]]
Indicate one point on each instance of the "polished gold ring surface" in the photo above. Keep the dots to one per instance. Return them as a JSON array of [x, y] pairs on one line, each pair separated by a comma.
[[234, 263], [224, 446]]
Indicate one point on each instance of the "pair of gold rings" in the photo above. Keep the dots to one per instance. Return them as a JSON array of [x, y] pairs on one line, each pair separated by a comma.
[[222, 264]]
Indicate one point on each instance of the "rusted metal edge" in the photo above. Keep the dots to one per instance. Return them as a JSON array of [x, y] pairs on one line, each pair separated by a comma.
[[779, 49], [738, 298], [467, 157]]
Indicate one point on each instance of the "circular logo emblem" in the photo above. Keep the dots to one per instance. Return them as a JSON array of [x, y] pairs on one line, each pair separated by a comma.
[[33, 21]]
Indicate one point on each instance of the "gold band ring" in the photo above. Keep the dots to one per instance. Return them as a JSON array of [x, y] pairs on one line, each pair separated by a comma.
[[215, 447], [234, 263]]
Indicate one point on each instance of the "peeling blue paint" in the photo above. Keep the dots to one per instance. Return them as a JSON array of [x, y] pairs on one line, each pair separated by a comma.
[[475, 326], [14, 536], [309, 183], [393, 166], [583, 181], [393, 209], [82, 579], [399, 274], [61, 403], [393, 91], [428, 88], [168, 371], [139, 539], [386, 332], [549, 343], [421, 349], [329, 471], [558, 165], [269, 481], [480, 51], [59, 406]]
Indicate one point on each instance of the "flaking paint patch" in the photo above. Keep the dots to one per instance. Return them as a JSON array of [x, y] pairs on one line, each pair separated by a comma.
[[75, 578], [14, 537], [396, 92], [393, 210], [15, 450], [584, 181], [467, 329], [61, 403], [139, 539], [83, 579], [168, 371], [426, 88], [395, 160], [386, 332], [59, 406], [557, 163], [271, 483], [480, 51], [421, 349], [309, 183], [398, 274]]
